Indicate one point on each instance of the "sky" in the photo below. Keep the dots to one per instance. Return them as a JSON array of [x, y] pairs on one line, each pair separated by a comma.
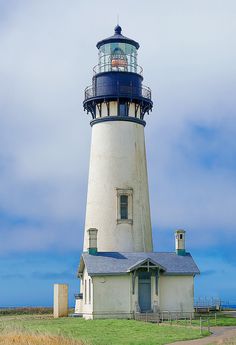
[[48, 49]]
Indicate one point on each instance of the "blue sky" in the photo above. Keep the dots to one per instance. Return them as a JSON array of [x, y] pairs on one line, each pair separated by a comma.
[[188, 53]]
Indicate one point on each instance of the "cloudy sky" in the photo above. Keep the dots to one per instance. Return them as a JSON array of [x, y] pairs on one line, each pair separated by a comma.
[[47, 51]]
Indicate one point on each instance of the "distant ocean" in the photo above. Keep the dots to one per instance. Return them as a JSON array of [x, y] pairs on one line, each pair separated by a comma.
[[229, 306]]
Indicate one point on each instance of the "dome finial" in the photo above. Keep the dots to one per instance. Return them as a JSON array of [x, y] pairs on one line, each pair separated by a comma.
[[118, 29]]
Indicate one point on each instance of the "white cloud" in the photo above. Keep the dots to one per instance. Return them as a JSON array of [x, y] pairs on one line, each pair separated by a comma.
[[46, 59]]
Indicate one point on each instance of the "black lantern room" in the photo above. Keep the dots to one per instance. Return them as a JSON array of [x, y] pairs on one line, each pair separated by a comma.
[[117, 78]]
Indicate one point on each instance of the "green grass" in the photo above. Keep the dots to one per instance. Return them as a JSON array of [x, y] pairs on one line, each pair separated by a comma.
[[221, 320], [106, 332], [224, 320]]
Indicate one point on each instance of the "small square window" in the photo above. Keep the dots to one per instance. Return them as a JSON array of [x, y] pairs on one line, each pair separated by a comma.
[[124, 205]]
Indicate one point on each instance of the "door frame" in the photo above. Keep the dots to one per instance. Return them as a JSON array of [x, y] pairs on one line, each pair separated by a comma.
[[145, 276]]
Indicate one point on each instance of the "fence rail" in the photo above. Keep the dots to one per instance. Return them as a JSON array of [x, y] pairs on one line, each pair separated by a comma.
[[179, 318]]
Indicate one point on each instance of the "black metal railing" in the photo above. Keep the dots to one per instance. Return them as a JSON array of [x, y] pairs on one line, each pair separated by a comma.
[[146, 92], [120, 90], [89, 92]]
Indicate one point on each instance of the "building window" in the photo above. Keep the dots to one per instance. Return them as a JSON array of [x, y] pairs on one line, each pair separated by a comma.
[[89, 292], [124, 205], [180, 236], [85, 291]]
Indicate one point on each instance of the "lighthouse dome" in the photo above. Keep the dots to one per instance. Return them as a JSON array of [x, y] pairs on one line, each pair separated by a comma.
[[118, 37]]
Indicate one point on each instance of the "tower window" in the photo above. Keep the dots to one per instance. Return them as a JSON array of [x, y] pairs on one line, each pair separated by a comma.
[[180, 236], [124, 206], [123, 109]]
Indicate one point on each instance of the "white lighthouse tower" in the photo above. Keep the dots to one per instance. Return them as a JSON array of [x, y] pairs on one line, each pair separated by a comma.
[[118, 198], [120, 275]]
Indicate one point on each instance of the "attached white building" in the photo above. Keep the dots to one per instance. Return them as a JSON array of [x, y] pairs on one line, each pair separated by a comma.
[[119, 272], [118, 285]]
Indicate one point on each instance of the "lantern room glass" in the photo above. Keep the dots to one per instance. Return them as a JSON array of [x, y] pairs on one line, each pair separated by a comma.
[[117, 56]]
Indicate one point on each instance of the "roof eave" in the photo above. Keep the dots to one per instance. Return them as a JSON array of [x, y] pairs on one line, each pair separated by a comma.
[[128, 272], [108, 274], [121, 39], [180, 273], [81, 267], [141, 262]]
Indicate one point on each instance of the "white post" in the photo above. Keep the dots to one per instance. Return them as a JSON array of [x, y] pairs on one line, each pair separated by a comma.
[[60, 307]]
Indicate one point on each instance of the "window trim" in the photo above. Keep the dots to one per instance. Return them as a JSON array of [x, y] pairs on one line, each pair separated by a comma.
[[128, 192], [85, 291], [89, 292], [124, 206]]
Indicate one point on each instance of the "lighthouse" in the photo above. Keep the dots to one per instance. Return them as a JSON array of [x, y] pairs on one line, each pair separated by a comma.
[[118, 198], [120, 274]]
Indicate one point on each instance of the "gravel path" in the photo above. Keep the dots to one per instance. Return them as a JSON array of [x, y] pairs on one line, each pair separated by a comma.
[[219, 333]]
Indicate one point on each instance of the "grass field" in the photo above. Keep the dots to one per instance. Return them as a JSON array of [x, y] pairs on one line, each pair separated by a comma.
[[97, 332], [21, 338], [220, 320]]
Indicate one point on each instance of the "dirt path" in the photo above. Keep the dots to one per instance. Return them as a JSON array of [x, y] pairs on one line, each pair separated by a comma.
[[219, 333]]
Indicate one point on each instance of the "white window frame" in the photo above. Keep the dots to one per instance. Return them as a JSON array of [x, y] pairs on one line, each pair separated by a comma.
[[128, 192], [89, 292], [85, 291]]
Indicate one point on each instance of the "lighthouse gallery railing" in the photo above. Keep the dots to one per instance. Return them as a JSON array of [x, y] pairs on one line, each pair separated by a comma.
[[122, 91]]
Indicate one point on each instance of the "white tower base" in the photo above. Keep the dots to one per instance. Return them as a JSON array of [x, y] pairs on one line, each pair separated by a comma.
[[118, 167]]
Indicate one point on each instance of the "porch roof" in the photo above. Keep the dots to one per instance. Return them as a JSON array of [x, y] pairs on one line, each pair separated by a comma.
[[112, 263]]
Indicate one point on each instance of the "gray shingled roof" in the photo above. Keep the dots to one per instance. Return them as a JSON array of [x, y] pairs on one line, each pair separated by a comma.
[[109, 263]]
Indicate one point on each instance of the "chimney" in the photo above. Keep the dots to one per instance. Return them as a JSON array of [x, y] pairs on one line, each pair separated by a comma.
[[92, 239], [180, 242]]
